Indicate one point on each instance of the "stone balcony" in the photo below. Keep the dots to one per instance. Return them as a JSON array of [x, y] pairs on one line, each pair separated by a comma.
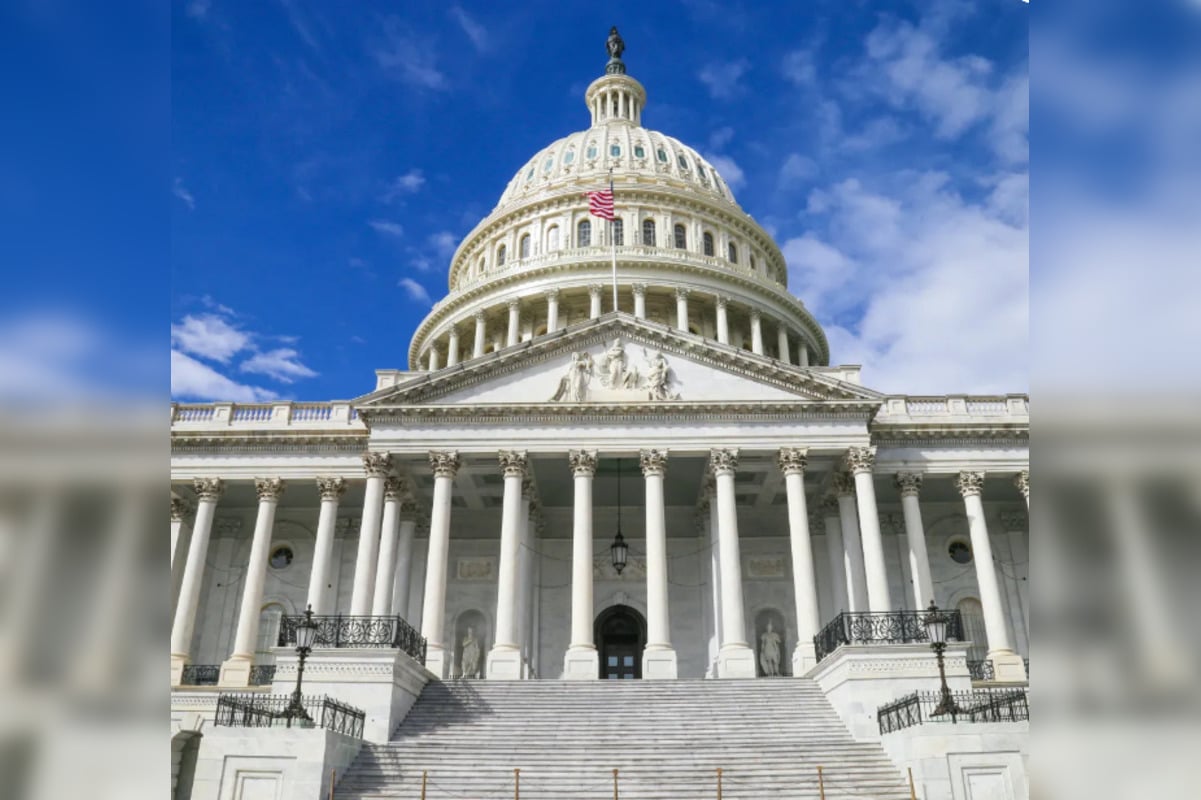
[[336, 415]]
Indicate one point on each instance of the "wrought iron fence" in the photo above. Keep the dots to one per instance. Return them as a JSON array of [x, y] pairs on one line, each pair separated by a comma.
[[338, 630], [262, 674], [200, 675], [890, 627], [981, 670], [272, 711], [976, 705]]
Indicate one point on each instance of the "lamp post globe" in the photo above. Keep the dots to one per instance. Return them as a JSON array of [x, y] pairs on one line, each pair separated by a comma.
[[306, 635]]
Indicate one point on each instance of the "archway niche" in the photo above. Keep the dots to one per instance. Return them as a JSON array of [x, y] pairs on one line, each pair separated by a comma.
[[772, 648], [476, 645]]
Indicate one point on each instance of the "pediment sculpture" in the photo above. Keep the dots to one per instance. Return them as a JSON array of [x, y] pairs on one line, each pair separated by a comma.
[[614, 377]]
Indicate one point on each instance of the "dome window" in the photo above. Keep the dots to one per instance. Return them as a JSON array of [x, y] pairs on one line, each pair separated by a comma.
[[733, 252], [500, 256], [524, 247], [615, 150], [681, 236], [619, 232], [583, 234], [683, 162], [481, 271], [639, 151], [569, 156], [529, 176], [648, 232], [662, 154], [707, 243], [591, 152], [550, 162], [552, 238], [704, 176]]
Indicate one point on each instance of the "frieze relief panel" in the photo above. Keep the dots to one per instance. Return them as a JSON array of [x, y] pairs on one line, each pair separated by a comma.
[[616, 376], [765, 566], [475, 569], [602, 568]]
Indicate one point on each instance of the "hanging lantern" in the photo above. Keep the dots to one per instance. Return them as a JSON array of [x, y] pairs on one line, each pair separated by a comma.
[[619, 550]]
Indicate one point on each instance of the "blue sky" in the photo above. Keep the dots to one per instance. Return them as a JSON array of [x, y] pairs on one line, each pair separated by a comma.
[[326, 159]]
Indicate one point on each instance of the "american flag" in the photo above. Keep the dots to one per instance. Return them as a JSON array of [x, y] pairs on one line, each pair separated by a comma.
[[600, 204]]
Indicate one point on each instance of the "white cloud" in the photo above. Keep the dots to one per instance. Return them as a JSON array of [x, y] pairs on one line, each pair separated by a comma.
[[728, 169], [199, 9], [415, 291], [410, 182], [421, 264], [180, 191], [722, 78], [192, 379], [209, 336], [799, 68], [408, 57], [797, 169], [387, 228], [475, 31], [444, 243], [282, 364], [721, 137]]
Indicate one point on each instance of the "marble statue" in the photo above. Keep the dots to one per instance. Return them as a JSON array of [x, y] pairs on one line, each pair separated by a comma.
[[658, 376], [615, 372], [574, 385], [769, 651], [471, 655]]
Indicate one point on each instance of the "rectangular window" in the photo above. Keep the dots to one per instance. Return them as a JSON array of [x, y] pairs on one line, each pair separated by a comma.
[[618, 232]]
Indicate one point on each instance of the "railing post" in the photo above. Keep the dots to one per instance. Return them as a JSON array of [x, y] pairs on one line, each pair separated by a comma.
[[614, 783], [516, 783], [719, 783], [338, 631], [332, 775], [821, 783], [424, 776]]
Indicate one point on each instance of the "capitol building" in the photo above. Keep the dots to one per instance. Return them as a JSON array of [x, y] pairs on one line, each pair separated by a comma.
[[618, 450]]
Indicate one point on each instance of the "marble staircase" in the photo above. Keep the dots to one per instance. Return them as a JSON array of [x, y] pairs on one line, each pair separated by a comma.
[[666, 738]]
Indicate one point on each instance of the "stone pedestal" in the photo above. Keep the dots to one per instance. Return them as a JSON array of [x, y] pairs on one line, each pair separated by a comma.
[[270, 762], [581, 663], [235, 672], [177, 665], [804, 657], [504, 664], [659, 663], [382, 681], [1008, 667], [438, 662], [736, 661]]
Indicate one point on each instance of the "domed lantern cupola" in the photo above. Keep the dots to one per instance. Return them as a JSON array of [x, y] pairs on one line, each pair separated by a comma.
[[615, 97]]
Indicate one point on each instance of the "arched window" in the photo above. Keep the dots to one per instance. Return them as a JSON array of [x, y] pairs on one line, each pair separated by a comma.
[[681, 237], [707, 243], [500, 256], [648, 232], [481, 272], [583, 234], [524, 246], [683, 162], [662, 155], [733, 252], [752, 263], [552, 238], [619, 232]]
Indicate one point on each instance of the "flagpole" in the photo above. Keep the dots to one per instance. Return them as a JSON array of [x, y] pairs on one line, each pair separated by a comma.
[[612, 240]]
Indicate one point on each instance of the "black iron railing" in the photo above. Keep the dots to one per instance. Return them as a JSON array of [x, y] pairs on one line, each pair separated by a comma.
[[981, 670], [200, 675], [271, 711], [338, 630], [890, 627], [262, 674], [976, 705]]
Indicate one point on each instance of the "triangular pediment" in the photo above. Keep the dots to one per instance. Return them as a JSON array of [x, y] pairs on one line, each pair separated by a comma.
[[619, 359]]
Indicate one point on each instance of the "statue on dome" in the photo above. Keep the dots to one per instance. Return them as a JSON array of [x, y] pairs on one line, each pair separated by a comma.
[[574, 385], [658, 376], [615, 372], [769, 652], [615, 45]]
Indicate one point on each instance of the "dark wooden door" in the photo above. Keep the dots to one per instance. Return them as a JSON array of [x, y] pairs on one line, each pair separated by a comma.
[[620, 637]]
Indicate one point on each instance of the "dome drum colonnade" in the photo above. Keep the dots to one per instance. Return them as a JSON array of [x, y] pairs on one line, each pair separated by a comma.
[[687, 255], [389, 519]]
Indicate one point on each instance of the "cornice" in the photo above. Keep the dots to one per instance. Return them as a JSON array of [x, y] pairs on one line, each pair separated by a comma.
[[269, 441]]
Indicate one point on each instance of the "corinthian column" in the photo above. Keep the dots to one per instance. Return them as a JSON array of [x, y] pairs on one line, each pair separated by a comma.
[[481, 329], [208, 490], [792, 462], [452, 347], [581, 660], [331, 490], [639, 300], [844, 489], [735, 659], [514, 323], [404, 558], [1007, 665], [385, 570], [782, 344], [723, 320], [832, 523], [659, 657], [376, 465], [910, 484], [445, 465], [552, 310], [236, 670], [756, 333], [504, 660], [682, 308], [860, 461], [594, 300], [180, 509]]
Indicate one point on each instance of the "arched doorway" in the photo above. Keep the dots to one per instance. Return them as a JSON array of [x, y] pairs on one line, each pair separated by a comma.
[[620, 635]]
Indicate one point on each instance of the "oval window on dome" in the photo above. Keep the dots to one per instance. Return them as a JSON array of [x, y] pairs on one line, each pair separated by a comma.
[[615, 150], [569, 156], [704, 175], [662, 155], [639, 151], [529, 176], [683, 162], [550, 162], [591, 152]]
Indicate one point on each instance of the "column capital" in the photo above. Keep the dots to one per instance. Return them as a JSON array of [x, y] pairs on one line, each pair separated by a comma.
[[709, 486], [892, 523], [910, 483], [722, 301], [793, 460], [817, 519], [444, 463], [515, 303], [453, 333], [969, 483], [409, 510], [269, 488], [513, 463], [180, 508], [843, 484], [682, 292], [860, 459], [829, 506], [479, 315], [376, 465], [1022, 481], [1015, 521], [755, 315], [551, 294], [208, 488], [583, 463], [723, 461], [394, 487], [528, 490], [653, 462], [331, 488], [595, 289], [639, 289], [227, 526]]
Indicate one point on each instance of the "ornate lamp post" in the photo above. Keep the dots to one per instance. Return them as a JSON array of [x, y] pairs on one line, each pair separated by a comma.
[[936, 623], [619, 549], [306, 634]]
